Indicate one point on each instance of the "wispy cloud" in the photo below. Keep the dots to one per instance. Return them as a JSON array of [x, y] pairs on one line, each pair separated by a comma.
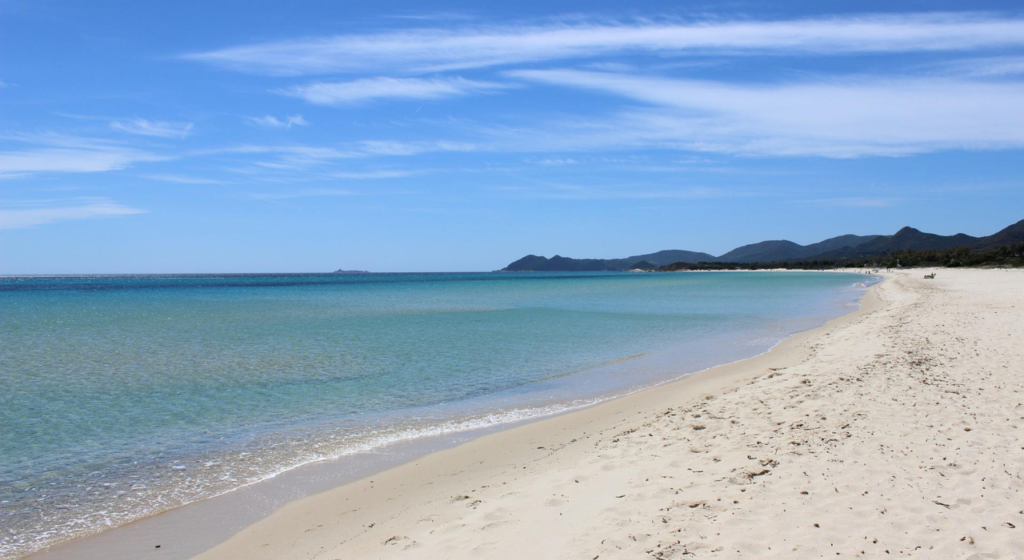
[[360, 91], [13, 176], [71, 160], [62, 153], [984, 67], [382, 174], [291, 163], [298, 155], [574, 191], [299, 150], [854, 202], [440, 49], [159, 129], [26, 217], [258, 159], [301, 194], [397, 148], [839, 118], [183, 179], [553, 161], [269, 121], [433, 16]]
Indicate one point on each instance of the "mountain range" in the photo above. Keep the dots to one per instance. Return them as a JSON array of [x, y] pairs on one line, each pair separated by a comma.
[[842, 246]]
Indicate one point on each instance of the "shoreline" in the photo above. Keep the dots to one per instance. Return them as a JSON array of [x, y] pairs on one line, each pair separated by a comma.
[[894, 429], [498, 452], [134, 537]]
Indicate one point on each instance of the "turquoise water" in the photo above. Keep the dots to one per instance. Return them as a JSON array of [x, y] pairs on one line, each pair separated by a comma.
[[124, 396]]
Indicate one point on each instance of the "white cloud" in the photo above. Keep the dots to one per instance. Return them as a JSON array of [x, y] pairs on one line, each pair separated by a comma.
[[301, 194], [301, 161], [553, 161], [20, 218], [433, 16], [985, 67], [13, 176], [842, 118], [269, 121], [855, 202], [395, 148], [159, 129], [70, 160], [62, 153], [359, 91], [183, 179], [437, 49], [564, 191], [355, 150], [383, 174], [286, 156]]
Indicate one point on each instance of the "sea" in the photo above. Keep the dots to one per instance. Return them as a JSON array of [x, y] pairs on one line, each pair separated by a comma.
[[125, 396]]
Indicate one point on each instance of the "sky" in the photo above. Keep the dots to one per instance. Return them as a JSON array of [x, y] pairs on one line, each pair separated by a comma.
[[306, 136]]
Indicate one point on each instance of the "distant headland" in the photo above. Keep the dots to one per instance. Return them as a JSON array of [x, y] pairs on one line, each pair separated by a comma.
[[914, 246]]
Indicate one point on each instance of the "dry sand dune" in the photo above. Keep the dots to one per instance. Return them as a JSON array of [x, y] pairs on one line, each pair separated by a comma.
[[894, 431]]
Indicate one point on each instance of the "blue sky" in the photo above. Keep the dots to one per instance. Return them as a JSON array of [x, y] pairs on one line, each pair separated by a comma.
[[425, 136]]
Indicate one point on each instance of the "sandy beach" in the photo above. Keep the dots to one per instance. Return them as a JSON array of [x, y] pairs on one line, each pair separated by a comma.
[[895, 430]]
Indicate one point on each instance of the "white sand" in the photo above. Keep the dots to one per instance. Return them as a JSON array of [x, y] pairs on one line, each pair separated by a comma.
[[894, 431]]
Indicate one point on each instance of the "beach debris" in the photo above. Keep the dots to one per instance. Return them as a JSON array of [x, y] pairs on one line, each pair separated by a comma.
[[753, 475]]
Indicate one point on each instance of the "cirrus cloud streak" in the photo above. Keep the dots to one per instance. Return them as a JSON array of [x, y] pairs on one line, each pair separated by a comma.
[[159, 129], [836, 118], [21, 218], [438, 49], [369, 89]]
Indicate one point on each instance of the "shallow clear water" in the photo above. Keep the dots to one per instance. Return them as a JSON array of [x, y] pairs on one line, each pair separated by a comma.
[[124, 396]]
